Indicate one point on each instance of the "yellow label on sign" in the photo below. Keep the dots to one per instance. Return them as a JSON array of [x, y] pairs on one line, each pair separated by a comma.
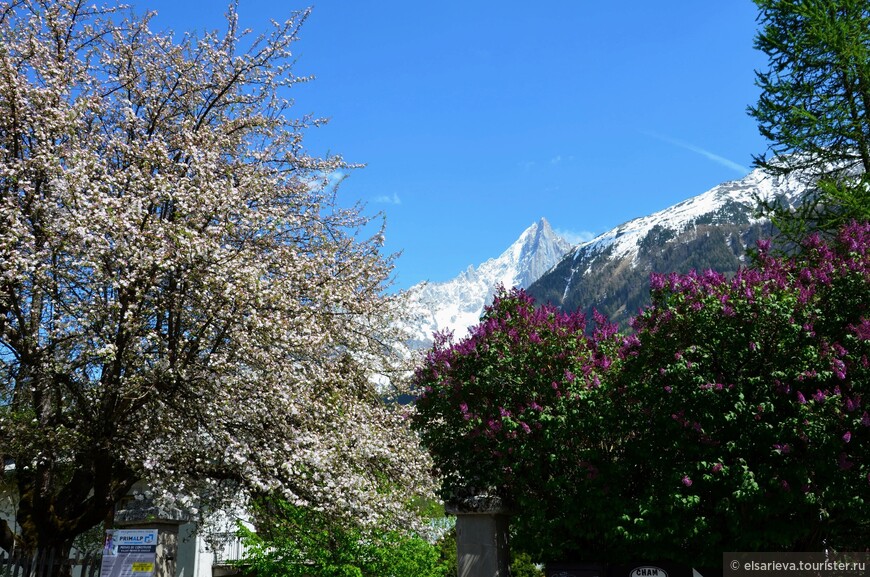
[[142, 567]]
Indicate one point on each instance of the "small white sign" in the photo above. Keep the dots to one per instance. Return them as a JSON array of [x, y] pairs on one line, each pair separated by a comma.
[[648, 571]]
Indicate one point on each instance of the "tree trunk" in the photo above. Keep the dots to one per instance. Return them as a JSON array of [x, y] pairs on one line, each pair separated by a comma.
[[52, 558], [54, 509]]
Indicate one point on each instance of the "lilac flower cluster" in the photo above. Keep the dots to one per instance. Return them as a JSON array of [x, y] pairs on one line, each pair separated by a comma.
[[499, 393], [802, 284]]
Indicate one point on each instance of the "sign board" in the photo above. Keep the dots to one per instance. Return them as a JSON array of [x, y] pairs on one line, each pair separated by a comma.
[[129, 553]]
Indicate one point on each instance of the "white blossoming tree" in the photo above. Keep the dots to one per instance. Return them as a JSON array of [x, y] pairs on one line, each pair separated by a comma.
[[182, 300]]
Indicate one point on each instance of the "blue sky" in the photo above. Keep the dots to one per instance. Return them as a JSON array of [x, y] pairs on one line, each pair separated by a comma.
[[476, 118]]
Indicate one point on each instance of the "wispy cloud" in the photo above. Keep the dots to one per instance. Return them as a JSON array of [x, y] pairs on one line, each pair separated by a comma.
[[385, 199], [575, 236], [736, 166], [526, 165], [559, 159]]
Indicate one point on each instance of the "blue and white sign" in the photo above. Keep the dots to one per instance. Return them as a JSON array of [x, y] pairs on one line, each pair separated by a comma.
[[129, 553]]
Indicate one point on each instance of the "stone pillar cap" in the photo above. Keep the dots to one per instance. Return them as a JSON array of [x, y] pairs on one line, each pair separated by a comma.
[[482, 504], [139, 511]]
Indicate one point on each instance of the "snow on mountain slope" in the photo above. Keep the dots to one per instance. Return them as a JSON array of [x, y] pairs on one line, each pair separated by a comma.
[[610, 273], [625, 238], [457, 304]]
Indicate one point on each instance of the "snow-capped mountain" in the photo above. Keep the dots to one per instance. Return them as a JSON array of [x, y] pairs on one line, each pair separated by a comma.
[[722, 204], [457, 304], [610, 273]]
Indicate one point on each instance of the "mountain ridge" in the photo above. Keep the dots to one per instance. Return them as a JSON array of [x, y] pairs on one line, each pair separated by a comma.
[[610, 273], [458, 303]]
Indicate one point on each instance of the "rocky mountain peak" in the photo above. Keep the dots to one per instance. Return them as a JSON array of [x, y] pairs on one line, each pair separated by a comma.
[[539, 249], [457, 304]]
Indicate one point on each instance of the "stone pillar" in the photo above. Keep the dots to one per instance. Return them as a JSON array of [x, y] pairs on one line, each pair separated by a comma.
[[481, 536], [143, 515]]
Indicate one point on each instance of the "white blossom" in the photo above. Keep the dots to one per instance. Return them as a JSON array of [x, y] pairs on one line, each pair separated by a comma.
[[180, 304]]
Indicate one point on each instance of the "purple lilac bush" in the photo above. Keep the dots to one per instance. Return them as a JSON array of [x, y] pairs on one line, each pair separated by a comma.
[[745, 404], [734, 417], [511, 411]]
